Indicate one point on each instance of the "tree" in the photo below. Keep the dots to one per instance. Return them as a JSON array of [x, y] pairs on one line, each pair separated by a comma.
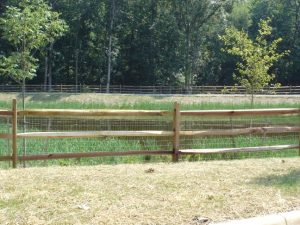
[[240, 16], [257, 56], [111, 26], [28, 27], [285, 17], [191, 16], [146, 44]]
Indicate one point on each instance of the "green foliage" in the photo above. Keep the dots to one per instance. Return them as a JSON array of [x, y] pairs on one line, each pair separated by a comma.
[[257, 56], [19, 65], [240, 17], [193, 18], [155, 42], [28, 27], [285, 20]]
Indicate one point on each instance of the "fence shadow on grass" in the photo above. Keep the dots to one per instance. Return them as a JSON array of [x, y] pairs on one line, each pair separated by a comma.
[[289, 181]]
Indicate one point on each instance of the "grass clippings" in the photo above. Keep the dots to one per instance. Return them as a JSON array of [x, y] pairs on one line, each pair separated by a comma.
[[131, 194]]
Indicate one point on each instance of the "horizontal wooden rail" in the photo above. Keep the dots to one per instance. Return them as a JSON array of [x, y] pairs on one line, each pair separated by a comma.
[[93, 134], [243, 131], [90, 155], [6, 113], [95, 113], [92, 113], [5, 136], [262, 128], [236, 150], [5, 158], [241, 112], [283, 90], [203, 133]]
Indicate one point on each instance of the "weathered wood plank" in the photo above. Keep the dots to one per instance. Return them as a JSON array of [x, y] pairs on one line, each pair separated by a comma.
[[236, 150], [176, 130], [93, 134], [5, 158], [90, 154], [68, 112], [201, 133], [244, 112], [242, 131], [14, 134], [5, 136], [5, 113]]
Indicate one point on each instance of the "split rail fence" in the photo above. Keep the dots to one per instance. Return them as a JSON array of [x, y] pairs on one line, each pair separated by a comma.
[[173, 132], [127, 89]]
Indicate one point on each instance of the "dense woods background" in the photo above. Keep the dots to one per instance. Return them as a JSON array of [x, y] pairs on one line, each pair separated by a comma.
[[159, 42]]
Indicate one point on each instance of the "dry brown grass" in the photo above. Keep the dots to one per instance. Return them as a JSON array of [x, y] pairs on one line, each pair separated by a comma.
[[130, 99], [131, 194]]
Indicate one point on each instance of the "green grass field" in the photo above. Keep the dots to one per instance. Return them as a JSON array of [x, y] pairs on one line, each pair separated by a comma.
[[114, 101], [42, 146], [145, 105]]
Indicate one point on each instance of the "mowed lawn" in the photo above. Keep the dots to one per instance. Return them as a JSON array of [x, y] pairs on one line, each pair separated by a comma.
[[166, 193]]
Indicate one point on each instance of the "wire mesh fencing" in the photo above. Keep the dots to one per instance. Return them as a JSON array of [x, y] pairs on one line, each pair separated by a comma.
[[5, 142], [126, 136], [155, 90], [241, 136], [98, 137]]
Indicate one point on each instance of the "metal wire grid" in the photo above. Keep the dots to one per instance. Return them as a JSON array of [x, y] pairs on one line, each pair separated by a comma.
[[5, 124], [54, 124], [249, 140], [238, 141], [78, 145], [220, 123], [5, 144], [84, 145], [35, 146]]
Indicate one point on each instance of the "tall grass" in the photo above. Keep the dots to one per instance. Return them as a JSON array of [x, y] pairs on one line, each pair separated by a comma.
[[143, 105], [244, 141], [39, 146], [75, 145]]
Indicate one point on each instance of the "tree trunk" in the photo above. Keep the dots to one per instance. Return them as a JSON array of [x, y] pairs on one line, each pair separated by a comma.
[[23, 94], [187, 61], [111, 25], [24, 120], [50, 66], [76, 70], [46, 73], [252, 97], [151, 79]]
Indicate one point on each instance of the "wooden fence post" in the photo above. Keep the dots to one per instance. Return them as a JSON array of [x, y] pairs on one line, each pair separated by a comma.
[[176, 130], [14, 134], [299, 133]]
